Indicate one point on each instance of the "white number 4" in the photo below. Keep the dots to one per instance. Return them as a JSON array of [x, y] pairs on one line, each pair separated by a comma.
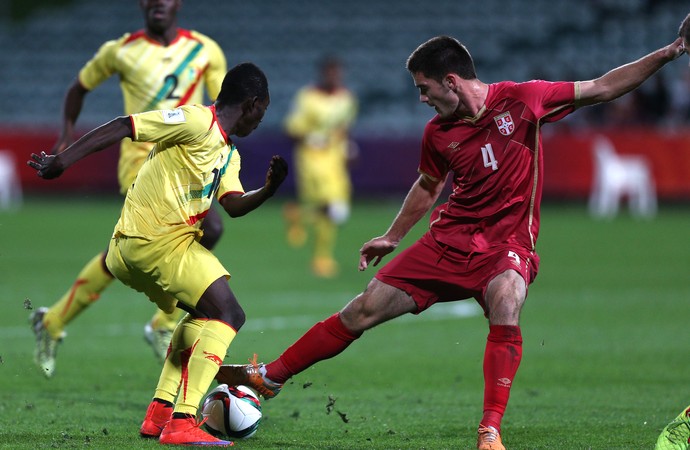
[[489, 158]]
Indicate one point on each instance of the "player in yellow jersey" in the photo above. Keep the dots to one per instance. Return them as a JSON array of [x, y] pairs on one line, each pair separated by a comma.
[[159, 67], [155, 246], [676, 434], [319, 122]]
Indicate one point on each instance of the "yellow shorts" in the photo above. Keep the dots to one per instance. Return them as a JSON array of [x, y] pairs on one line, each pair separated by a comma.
[[168, 269], [322, 178]]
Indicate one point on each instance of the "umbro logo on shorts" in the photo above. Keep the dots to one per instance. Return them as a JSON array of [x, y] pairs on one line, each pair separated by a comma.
[[515, 257]]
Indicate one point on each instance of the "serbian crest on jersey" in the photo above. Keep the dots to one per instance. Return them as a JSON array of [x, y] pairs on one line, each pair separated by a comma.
[[505, 123]]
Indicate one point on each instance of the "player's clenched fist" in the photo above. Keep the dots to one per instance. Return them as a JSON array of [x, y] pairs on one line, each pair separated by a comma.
[[277, 172]]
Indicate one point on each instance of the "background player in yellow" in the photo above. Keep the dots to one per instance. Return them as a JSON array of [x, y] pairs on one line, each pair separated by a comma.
[[155, 246], [159, 67], [676, 434], [319, 122]]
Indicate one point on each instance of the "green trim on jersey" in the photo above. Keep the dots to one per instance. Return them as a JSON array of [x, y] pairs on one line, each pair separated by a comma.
[[165, 89]]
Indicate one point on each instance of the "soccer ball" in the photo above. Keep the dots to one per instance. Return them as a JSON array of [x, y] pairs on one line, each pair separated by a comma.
[[233, 412]]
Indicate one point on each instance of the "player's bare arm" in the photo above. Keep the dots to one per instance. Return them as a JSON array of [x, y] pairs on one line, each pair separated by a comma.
[[71, 108], [237, 205], [627, 77], [52, 166], [422, 196]]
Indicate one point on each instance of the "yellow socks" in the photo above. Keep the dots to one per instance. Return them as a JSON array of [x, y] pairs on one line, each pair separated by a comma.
[[183, 337], [325, 232], [198, 348], [296, 234], [90, 282]]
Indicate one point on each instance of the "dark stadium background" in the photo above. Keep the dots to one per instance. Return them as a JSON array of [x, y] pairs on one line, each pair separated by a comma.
[[44, 43]]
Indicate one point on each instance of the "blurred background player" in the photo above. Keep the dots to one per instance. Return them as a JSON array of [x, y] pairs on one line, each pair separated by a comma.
[[159, 67], [155, 246], [319, 122]]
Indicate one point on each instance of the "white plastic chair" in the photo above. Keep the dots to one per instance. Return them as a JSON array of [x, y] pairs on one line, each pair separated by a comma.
[[618, 177], [10, 187]]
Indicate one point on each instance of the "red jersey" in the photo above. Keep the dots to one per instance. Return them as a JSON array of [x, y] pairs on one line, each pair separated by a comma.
[[497, 165]]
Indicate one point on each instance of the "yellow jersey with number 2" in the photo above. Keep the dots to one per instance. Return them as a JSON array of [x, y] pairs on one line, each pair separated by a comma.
[[153, 76]]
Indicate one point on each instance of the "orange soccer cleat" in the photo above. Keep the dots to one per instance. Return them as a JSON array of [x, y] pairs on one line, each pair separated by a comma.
[[488, 438], [248, 375]]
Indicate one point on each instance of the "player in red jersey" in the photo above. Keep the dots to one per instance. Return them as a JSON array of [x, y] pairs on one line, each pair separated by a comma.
[[481, 242]]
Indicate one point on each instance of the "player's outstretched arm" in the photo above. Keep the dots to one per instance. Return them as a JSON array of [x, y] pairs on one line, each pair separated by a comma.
[[422, 196], [627, 77], [52, 166], [237, 205], [71, 108]]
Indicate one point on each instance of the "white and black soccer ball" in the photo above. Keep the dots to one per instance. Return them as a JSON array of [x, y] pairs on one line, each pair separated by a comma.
[[231, 411]]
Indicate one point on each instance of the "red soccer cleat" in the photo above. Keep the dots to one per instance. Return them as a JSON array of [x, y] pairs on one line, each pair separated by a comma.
[[157, 417], [187, 432]]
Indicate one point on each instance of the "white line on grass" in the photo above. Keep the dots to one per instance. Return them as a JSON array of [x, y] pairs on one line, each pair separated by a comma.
[[441, 311]]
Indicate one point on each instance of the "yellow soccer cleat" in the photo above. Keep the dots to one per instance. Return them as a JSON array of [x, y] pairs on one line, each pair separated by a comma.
[[46, 347], [159, 340], [676, 435]]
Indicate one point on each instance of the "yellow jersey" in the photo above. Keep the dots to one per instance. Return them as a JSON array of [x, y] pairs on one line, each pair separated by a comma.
[[320, 123], [320, 120], [192, 161], [155, 77]]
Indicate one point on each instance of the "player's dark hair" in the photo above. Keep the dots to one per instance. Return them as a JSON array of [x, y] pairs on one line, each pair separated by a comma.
[[684, 30], [440, 56], [327, 61], [243, 81]]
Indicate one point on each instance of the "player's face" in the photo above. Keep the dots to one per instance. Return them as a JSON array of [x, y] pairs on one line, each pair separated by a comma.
[[437, 95], [160, 15], [252, 117], [331, 77]]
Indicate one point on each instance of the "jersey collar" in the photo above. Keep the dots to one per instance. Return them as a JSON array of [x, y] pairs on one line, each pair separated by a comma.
[[215, 122], [141, 34]]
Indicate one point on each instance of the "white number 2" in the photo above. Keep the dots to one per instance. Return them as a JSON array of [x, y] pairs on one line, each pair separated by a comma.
[[489, 158]]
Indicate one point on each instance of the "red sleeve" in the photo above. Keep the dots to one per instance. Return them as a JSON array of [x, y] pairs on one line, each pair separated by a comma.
[[549, 100], [431, 162]]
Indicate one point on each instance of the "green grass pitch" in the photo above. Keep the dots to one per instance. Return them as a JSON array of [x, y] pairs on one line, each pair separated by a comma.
[[605, 331]]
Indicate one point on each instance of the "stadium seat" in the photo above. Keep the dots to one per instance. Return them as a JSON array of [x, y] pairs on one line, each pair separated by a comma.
[[620, 177]]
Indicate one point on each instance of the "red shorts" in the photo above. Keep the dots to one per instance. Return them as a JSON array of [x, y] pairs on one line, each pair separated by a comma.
[[431, 272]]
